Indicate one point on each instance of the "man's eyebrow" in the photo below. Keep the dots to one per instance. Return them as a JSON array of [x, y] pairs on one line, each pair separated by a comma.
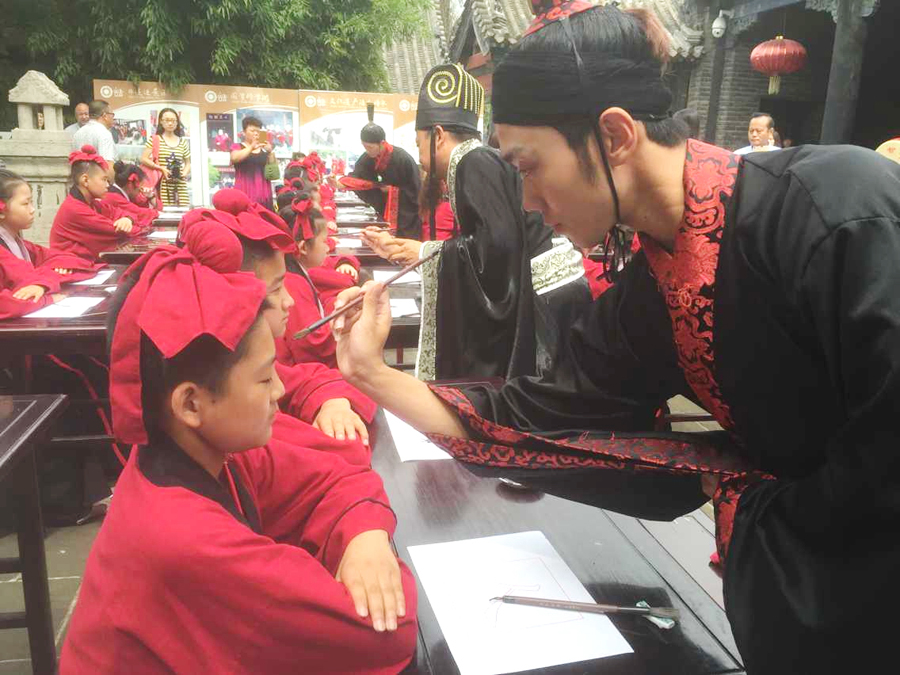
[[512, 154]]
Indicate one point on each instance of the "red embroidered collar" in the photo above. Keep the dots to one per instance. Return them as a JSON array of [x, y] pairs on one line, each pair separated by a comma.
[[687, 277], [384, 157]]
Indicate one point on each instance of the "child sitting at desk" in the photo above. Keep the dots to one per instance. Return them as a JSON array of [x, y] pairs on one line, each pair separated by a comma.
[[80, 225], [126, 197], [313, 286], [226, 550], [315, 394], [30, 274]]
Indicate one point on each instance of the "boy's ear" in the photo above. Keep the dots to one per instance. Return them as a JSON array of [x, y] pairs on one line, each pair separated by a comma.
[[186, 403], [302, 248]]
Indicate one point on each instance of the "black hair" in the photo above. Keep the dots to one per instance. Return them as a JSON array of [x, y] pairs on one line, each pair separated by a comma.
[[297, 156], [292, 172], [9, 181], [691, 117], [251, 121], [255, 252], [204, 361], [124, 170], [81, 168], [179, 128], [757, 115], [96, 109]]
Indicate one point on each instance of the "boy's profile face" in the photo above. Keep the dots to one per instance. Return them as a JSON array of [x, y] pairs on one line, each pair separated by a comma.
[[315, 250], [240, 416], [278, 301]]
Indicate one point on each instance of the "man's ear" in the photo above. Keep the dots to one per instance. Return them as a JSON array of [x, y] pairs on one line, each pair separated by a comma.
[[187, 403]]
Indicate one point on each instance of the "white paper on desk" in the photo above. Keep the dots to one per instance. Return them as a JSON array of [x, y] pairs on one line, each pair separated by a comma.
[[488, 638], [98, 280], [349, 243], [408, 278], [411, 444], [402, 307], [66, 309], [169, 235]]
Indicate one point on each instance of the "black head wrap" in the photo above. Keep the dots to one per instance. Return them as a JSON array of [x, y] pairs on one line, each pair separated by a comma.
[[450, 97], [371, 133]]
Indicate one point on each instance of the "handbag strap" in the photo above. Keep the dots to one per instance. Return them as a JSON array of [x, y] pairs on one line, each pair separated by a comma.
[[156, 148]]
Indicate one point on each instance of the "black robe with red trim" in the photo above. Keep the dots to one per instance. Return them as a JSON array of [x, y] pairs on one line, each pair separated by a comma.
[[402, 172], [183, 579], [779, 312]]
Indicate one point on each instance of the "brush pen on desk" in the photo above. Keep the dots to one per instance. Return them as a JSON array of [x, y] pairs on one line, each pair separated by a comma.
[[589, 607], [299, 335]]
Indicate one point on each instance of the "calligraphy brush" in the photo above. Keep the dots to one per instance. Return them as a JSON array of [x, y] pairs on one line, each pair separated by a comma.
[[299, 335], [589, 607]]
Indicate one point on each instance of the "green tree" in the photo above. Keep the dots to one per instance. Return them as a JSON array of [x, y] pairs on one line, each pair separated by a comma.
[[321, 44]]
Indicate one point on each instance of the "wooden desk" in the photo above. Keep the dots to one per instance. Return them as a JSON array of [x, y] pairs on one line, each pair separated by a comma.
[[80, 335], [25, 424], [366, 256], [614, 556], [131, 250]]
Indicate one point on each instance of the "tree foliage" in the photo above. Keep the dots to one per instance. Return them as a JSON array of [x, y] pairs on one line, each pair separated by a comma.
[[321, 44]]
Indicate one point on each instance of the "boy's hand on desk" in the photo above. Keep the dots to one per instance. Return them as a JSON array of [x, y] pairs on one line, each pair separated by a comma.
[[32, 293], [370, 571], [362, 331], [123, 225], [337, 419], [349, 270]]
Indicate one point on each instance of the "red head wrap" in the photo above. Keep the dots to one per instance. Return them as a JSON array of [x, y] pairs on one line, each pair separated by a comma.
[[253, 221], [303, 226], [88, 153], [181, 295], [548, 11]]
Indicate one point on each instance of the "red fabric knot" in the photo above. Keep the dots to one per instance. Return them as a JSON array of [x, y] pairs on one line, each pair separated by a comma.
[[215, 246], [231, 201], [303, 227], [88, 153]]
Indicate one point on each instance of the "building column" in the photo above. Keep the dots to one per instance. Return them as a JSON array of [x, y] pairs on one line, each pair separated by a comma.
[[846, 70], [26, 121]]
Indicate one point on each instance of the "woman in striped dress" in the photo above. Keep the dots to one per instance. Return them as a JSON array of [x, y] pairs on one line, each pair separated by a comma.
[[169, 152]]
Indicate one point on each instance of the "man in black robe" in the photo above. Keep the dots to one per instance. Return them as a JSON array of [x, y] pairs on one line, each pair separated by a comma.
[[387, 179]]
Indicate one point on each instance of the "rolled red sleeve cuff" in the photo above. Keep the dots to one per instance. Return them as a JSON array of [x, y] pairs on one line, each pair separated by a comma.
[[363, 516]]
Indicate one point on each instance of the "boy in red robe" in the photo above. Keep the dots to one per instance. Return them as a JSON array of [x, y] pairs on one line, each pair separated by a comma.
[[125, 197], [80, 225], [225, 551], [315, 394]]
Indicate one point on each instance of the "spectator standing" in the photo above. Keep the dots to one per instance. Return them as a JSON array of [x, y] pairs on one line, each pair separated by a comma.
[[760, 133], [82, 115], [169, 152], [249, 159], [96, 133]]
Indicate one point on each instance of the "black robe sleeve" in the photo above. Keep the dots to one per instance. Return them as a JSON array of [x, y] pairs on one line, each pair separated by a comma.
[[365, 170], [485, 302], [405, 175], [813, 561]]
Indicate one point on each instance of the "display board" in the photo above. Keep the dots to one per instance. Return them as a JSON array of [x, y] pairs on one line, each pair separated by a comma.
[[296, 120]]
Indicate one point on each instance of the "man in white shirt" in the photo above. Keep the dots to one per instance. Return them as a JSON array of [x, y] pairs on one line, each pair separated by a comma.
[[761, 134], [97, 133], [82, 115]]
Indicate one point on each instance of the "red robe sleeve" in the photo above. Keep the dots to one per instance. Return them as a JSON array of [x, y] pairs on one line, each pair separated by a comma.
[[83, 230], [115, 206], [317, 347], [308, 385], [287, 429], [47, 260], [14, 274]]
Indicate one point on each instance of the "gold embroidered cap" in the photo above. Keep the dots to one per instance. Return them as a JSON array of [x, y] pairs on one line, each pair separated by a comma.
[[450, 97]]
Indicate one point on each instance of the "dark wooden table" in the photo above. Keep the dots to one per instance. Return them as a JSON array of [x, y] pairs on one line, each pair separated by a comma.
[[129, 251], [25, 424], [614, 556], [80, 335]]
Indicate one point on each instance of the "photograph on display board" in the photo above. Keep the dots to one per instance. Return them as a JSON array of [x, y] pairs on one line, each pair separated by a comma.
[[129, 132], [219, 132], [337, 134], [278, 124]]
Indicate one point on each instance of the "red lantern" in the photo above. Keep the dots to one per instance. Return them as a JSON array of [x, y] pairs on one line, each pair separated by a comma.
[[776, 58]]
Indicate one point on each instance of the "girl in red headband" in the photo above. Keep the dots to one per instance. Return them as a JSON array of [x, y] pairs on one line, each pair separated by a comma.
[[80, 225], [227, 550]]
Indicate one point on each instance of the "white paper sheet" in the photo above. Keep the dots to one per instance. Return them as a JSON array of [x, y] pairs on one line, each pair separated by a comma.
[[349, 243], [489, 638], [168, 235], [412, 445], [66, 309], [408, 278], [98, 280], [401, 307]]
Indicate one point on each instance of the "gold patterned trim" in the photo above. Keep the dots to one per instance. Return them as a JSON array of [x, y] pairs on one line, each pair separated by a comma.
[[456, 156], [557, 267], [426, 358]]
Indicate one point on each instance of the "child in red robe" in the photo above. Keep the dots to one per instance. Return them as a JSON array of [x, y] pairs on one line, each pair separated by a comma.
[[30, 274], [225, 550], [127, 198], [80, 225], [314, 393]]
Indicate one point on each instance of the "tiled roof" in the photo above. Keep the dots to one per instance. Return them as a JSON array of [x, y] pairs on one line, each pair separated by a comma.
[[502, 22], [408, 62]]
